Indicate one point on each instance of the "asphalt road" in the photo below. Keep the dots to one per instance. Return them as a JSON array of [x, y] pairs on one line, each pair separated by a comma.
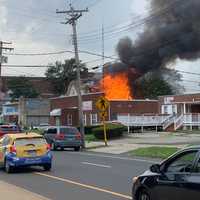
[[81, 175]]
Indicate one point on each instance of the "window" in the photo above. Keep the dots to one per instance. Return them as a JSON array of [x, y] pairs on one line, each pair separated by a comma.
[[57, 121], [85, 119], [165, 110], [174, 109], [69, 119], [69, 131], [93, 119], [52, 131], [6, 141], [183, 163], [29, 141], [198, 166]]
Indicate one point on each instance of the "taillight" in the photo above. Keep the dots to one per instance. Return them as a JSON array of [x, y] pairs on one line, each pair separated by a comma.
[[60, 136], [78, 136], [48, 147], [13, 149]]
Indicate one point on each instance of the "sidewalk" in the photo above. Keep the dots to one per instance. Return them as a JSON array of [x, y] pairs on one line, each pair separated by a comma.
[[11, 192], [135, 141]]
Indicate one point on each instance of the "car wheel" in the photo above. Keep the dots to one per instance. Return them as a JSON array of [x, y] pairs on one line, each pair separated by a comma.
[[47, 167], [7, 167], [143, 195], [62, 148], [76, 148], [53, 146]]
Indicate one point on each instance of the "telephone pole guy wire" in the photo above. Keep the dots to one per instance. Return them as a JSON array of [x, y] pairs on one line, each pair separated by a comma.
[[72, 16]]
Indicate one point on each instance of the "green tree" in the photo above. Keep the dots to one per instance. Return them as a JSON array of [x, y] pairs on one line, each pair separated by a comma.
[[21, 86], [153, 86], [61, 74]]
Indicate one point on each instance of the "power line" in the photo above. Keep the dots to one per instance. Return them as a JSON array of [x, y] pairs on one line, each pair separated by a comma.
[[185, 72]]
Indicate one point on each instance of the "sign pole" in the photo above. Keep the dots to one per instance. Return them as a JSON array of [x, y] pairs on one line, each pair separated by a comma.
[[102, 105], [105, 134]]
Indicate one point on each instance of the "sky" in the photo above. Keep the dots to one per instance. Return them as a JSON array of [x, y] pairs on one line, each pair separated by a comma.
[[34, 27]]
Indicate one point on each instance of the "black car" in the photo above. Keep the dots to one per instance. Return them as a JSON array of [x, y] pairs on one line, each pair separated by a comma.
[[176, 178]]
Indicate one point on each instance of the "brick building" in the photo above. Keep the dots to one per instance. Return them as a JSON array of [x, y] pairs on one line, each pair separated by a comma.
[[179, 104], [64, 110]]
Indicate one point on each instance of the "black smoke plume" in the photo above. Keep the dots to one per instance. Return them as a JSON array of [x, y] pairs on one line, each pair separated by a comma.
[[171, 32]]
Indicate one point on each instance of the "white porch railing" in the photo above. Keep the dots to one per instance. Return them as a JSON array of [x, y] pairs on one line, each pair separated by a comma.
[[159, 120], [191, 119], [178, 122], [169, 121], [142, 120]]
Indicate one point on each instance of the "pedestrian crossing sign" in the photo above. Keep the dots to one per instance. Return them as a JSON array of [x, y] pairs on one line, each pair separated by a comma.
[[102, 104]]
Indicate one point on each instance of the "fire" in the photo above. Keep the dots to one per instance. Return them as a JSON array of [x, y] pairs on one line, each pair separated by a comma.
[[116, 86]]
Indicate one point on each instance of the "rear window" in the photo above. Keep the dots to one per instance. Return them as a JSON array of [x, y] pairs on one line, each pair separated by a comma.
[[68, 130], [29, 141], [9, 128]]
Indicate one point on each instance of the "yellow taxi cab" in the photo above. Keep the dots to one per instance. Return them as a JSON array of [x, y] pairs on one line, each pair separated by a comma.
[[23, 150]]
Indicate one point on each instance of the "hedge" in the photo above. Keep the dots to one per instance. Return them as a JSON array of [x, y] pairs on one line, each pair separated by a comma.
[[112, 130], [89, 129]]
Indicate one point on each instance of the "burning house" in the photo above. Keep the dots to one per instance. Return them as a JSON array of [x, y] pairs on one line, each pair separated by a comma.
[[171, 33]]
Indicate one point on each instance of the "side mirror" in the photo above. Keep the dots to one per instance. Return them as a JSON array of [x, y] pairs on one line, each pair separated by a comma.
[[155, 168]]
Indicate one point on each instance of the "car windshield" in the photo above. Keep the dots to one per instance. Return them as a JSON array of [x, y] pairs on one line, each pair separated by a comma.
[[29, 141], [68, 130]]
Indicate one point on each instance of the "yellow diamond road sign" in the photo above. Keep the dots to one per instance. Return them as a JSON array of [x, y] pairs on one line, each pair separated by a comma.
[[102, 104], [103, 115]]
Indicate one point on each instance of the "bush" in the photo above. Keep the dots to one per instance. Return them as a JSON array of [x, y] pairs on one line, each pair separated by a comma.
[[89, 129], [112, 130]]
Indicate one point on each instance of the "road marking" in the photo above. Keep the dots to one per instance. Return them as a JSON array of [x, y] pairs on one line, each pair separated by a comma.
[[97, 165], [116, 157], [85, 185]]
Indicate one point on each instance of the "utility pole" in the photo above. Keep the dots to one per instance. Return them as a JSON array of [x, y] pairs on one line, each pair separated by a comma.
[[2, 58], [2, 47], [72, 17]]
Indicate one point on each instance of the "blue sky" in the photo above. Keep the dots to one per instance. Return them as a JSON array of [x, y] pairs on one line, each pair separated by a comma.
[[34, 27]]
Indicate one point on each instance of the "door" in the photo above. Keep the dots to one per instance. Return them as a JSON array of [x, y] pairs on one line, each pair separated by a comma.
[[191, 184], [172, 183]]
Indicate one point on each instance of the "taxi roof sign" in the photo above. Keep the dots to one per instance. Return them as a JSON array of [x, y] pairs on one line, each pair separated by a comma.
[[102, 104]]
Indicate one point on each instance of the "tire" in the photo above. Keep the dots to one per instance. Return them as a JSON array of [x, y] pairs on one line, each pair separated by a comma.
[[47, 167], [76, 148], [7, 167], [143, 195], [62, 148], [53, 146]]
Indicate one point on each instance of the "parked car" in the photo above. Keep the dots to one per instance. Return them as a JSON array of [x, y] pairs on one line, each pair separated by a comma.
[[22, 150], [9, 129], [43, 126], [176, 178], [63, 137]]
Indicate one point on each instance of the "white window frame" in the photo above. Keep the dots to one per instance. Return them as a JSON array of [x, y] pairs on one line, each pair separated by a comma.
[[93, 118], [69, 119]]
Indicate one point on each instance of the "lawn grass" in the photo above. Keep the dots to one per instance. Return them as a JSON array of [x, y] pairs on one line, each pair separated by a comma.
[[154, 152]]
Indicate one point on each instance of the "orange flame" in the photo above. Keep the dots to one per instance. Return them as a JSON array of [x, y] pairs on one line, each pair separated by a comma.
[[116, 87]]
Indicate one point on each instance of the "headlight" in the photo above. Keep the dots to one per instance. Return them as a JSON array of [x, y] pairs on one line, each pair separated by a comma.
[[135, 179]]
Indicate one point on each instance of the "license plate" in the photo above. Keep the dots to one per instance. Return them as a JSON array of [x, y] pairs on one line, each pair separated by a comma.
[[32, 153], [32, 161]]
